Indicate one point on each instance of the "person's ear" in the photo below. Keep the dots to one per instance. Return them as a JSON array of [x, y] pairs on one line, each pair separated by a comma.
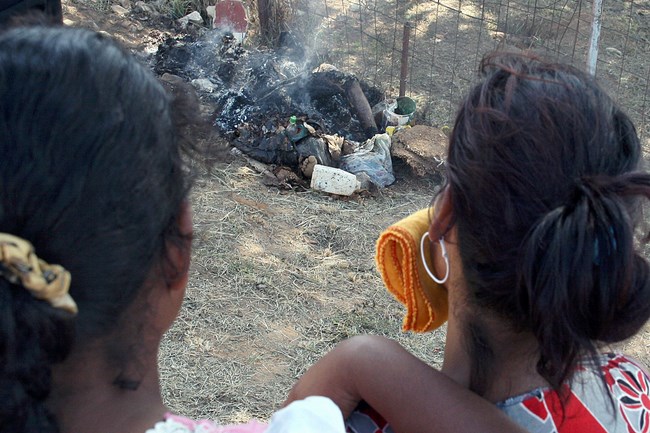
[[443, 217], [179, 251]]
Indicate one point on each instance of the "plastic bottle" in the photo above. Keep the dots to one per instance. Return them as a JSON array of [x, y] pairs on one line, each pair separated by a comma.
[[296, 131], [334, 180]]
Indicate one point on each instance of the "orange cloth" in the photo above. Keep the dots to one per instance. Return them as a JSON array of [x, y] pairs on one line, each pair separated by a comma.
[[400, 264]]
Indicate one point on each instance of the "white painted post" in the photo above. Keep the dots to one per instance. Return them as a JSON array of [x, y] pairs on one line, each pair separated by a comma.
[[592, 57]]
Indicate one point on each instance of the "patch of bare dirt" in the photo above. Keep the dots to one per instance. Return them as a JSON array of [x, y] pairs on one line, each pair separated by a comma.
[[135, 31]]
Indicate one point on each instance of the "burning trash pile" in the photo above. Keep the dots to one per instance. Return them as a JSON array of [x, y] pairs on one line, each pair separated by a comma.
[[288, 110]]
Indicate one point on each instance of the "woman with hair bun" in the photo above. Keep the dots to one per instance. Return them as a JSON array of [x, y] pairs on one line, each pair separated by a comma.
[[534, 241]]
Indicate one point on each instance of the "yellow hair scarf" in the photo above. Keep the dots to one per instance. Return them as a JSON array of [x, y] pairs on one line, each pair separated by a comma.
[[20, 265]]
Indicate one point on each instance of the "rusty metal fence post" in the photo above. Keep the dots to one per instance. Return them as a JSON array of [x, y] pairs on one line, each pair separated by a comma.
[[404, 69]]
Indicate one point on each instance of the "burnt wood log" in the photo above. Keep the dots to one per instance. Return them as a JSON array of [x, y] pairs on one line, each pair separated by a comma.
[[361, 107]]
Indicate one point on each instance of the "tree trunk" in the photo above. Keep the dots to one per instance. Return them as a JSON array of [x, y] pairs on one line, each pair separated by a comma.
[[269, 28]]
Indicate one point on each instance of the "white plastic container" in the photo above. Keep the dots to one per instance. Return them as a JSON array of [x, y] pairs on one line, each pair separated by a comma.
[[334, 180]]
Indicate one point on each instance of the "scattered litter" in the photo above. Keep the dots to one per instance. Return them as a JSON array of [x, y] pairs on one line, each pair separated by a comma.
[[334, 180], [285, 113], [390, 130], [394, 112], [193, 18], [372, 158]]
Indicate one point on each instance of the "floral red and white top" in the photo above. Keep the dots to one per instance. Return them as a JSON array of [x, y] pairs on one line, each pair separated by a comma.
[[587, 409]]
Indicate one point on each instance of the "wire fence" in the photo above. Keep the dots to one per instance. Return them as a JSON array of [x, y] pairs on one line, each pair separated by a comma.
[[448, 38]]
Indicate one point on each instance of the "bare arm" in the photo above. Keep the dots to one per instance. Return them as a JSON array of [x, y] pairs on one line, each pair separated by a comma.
[[412, 396]]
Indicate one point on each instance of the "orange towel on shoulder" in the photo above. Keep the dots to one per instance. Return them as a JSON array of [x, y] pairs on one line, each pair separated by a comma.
[[400, 264]]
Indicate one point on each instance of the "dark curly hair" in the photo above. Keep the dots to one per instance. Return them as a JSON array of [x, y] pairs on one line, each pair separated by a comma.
[[546, 185], [92, 174], [45, 11]]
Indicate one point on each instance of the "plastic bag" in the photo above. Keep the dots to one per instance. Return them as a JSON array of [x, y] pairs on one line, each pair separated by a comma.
[[372, 158], [391, 112]]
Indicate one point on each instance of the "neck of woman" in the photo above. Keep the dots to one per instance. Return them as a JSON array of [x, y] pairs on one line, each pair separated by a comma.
[[484, 355], [85, 398]]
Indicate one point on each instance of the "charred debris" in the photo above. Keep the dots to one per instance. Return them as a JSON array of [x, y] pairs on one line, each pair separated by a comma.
[[282, 107]]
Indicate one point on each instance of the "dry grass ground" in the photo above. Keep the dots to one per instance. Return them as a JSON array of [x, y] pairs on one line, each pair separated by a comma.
[[278, 278]]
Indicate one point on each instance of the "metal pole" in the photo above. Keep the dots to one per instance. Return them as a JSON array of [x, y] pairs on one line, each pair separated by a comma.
[[592, 57], [404, 71]]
